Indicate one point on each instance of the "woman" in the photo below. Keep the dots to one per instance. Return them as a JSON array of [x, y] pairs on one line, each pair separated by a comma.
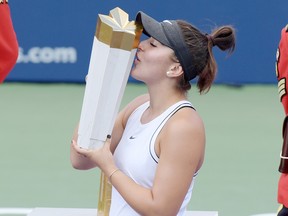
[[158, 141]]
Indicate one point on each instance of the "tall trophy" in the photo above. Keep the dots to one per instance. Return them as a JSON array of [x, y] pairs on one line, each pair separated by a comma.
[[113, 51]]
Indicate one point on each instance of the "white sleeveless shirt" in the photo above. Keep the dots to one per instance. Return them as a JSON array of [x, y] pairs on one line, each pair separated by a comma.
[[136, 157]]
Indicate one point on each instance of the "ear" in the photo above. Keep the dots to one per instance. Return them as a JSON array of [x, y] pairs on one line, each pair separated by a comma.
[[175, 71]]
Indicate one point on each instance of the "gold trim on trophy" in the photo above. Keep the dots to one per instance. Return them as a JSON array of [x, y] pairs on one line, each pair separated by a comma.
[[104, 196], [116, 31]]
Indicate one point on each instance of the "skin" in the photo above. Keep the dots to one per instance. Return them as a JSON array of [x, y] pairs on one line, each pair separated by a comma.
[[180, 145]]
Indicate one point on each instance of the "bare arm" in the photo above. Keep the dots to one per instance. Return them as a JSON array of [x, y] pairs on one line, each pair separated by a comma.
[[182, 151]]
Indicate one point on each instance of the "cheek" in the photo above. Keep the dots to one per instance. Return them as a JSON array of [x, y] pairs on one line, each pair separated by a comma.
[[144, 72], [158, 61], [153, 65]]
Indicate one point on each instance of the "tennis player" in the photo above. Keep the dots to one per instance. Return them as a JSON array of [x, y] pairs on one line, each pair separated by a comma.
[[158, 142]]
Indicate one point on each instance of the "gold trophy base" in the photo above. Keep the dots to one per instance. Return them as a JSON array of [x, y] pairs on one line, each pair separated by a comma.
[[104, 196]]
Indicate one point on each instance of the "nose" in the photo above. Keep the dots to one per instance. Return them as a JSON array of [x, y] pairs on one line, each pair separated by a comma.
[[140, 46]]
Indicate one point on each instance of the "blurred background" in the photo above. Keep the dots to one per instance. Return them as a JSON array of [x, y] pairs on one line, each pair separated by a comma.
[[41, 101], [55, 37]]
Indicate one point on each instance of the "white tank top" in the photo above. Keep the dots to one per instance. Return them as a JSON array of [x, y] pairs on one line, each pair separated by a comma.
[[135, 155]]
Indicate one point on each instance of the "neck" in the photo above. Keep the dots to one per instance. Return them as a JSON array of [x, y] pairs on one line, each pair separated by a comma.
[[163, 97]]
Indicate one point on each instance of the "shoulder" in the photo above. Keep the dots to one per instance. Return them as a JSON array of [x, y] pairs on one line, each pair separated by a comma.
[[186, 120], [184, 130], [182, 140]]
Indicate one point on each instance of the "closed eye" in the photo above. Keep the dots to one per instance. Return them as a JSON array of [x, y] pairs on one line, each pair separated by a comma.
[[153, 45]]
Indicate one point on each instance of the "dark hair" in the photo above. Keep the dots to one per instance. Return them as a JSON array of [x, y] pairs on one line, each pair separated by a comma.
[[200, 46]]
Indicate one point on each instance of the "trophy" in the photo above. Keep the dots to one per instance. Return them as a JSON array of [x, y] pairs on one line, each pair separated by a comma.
[[113, 52]]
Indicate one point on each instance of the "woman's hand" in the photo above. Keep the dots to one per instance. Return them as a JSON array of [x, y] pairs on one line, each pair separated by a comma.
[[100, 157]]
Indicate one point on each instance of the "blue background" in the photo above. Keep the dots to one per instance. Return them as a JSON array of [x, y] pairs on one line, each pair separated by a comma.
[[72, 24]]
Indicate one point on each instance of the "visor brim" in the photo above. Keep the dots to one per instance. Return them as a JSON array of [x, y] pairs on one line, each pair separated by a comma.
[[152, 28]]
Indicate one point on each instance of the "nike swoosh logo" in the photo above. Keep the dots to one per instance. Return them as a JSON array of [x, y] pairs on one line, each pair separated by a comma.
[[132, 137]]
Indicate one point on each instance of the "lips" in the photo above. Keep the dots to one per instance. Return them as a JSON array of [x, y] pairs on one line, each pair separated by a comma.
[[137, 56]]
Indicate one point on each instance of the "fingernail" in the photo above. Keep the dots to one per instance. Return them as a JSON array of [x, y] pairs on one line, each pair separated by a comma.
[[108, 136]]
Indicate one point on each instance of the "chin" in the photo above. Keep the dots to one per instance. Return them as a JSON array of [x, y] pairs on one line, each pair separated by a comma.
[[137, 75], [136, 78], [133, 74]]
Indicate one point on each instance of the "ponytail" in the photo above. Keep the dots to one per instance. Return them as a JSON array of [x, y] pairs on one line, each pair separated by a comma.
[[224, 38], [201, 45]]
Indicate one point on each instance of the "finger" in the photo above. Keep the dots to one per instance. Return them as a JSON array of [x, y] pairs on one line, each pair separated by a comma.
[[74, 144], [79, 150], [108, 141], [108, 138]]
